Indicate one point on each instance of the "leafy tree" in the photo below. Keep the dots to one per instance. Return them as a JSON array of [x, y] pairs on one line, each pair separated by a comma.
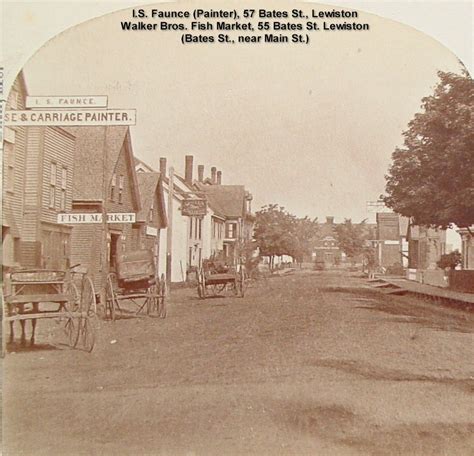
[[273, 231], [304, 234], [450, 260], [277, 232], [352, 237], [431, 178]]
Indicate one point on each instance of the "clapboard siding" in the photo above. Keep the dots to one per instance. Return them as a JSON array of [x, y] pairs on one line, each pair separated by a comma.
[[85, 250], [58, 147], [13, 200], [33, 167]]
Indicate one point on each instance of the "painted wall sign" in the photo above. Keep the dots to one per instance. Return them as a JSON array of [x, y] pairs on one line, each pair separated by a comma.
[[70, 101], [71, 118], [120, 217]]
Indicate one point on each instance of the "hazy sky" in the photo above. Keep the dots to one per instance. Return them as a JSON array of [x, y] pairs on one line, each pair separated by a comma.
[[309, 127]]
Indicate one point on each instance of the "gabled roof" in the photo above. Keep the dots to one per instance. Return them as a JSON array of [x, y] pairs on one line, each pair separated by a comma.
[[97, 147], [149, 185], [225, 200], [141, 165]]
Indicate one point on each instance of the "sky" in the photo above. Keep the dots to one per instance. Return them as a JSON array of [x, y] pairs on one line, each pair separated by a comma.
[[311, 128]]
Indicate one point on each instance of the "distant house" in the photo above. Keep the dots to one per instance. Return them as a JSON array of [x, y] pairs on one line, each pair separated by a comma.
[[39, 166], [232, 220], [425, 247], [326, 249], [391, 240], [105, 181]]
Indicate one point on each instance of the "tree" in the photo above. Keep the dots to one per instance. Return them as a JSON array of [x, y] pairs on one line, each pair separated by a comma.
[[277, 232], [352, 238], [273, 231], [304, 234], [431, 179]]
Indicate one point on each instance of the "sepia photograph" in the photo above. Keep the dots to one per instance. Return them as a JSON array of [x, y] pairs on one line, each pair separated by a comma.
[[237, 228]]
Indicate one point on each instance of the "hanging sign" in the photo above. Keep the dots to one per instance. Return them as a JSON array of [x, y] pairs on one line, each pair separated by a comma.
[[194, 207]]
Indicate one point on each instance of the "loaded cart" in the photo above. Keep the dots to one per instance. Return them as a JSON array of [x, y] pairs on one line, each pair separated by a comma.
[[216, 280], [38, 294], [135, 282]]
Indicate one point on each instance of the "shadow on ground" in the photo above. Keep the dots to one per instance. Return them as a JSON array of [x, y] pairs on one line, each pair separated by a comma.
[[338, 424]]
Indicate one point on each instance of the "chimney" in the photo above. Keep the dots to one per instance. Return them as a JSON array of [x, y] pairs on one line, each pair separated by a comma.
[[188, 170], [329, 220], [200, 173], [219, 177], [163, 166], [213, 174]]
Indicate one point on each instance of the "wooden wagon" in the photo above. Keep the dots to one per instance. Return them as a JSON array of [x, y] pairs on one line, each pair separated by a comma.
[[51, 294], [217, 281], [135, 281]]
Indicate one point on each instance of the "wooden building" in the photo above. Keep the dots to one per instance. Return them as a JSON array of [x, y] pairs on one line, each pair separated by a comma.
[[105, 181], [232, 220], [14, 156], [38, 171], [152, 217], [326, 249]]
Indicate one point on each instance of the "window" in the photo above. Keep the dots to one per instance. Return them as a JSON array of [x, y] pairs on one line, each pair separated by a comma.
[[52, 184], [113, 184], [190, 227], [200, 229], [150, 214], [120, 192], [196, 228], [9, 176], [63, 189], [231, 230]]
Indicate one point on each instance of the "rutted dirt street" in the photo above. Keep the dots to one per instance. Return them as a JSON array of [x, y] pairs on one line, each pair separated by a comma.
[[312, 363]]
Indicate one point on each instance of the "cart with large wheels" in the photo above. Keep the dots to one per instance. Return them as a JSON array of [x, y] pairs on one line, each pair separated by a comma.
[[135, 283], [211, 283], [50, 294]]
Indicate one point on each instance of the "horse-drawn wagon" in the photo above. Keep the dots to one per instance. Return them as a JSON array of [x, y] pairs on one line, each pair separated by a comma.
[[214, 279], [37, 294], [135, 282]]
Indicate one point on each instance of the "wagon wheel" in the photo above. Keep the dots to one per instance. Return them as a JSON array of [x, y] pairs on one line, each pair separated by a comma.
[[88, 299], [151, 300], [162, 307], [74, 301], [111, 298], [86, 334], [71, 330]]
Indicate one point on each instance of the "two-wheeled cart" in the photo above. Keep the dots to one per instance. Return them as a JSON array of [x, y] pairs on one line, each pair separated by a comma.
[[50, 294], [135, 282], [215, 283]]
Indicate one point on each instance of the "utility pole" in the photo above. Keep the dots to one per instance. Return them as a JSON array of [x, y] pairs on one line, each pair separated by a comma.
[[169, 231]]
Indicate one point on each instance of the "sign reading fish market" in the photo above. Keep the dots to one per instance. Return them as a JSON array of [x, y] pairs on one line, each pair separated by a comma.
[[70, 117], [119, 217]]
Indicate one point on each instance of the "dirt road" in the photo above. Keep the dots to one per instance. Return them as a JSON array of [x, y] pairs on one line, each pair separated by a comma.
[[310, 364]]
